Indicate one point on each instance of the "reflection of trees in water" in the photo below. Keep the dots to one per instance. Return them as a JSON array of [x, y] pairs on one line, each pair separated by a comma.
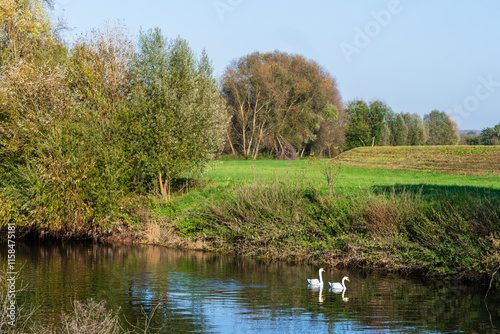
[[59, 273], [392, 303], [136, 279], [378, 300]]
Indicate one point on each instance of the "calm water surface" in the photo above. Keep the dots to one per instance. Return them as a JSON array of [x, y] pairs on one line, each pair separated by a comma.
[[208, 293]]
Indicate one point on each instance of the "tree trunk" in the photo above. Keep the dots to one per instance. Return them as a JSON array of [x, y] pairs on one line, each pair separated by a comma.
[[230, 142], [256, 151], [164, 187]]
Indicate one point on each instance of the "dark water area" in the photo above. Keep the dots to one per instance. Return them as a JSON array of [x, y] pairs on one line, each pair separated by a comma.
[[209, 293]]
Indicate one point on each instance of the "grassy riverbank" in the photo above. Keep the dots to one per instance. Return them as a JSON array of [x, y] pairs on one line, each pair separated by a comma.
[[312, 211], [331, 213]]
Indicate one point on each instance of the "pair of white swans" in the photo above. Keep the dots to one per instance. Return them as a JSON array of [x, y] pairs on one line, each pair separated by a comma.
[[334, 286]]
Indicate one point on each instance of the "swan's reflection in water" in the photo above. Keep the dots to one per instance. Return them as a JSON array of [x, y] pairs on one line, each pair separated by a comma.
[[342, 292], [321, 296], [319, 288]]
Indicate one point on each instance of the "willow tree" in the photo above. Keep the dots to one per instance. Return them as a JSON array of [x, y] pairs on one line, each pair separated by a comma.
[[358, 131], [36, 105], [277, 102], [366, 123], [25, 29], [33, 90], [400, 131], [442, 129], [177, 119], [417, 129], [99, 69]]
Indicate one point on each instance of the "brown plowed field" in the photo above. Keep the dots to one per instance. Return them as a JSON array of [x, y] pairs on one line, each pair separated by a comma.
[[459, 160]]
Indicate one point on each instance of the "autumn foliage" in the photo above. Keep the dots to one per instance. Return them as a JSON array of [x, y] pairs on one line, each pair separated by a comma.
[[278, 104]]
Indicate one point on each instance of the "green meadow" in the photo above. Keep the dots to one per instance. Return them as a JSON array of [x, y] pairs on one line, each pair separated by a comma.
[[233, 172]]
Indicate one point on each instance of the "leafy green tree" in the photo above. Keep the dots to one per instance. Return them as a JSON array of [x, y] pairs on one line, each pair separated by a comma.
[[442, 129], [177, 119], [38, 172], [470, 139], [99, 76], [376, 122], [400, 131], [366, 123], [386, 135], [60, 160], [417, 134], [490, 136], [358, 131], [331, 137], [33, 91], [390, 120]]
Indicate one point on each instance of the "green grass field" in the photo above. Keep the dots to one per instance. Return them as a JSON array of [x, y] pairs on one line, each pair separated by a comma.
[[235, 172]]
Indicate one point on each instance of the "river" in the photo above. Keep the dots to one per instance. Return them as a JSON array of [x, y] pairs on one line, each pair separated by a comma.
[[197, 292]]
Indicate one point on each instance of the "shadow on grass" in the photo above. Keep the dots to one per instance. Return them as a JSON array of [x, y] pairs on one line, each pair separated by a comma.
[[439, 192]]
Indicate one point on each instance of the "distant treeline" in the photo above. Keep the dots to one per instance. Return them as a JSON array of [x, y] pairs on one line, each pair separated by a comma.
[[489, 136], [375, 124], [286, 106]]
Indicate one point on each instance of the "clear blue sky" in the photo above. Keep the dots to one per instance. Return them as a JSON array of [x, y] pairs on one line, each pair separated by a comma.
[[414, 55]]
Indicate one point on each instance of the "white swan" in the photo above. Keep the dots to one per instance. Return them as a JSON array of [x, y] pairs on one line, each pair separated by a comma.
[[315, 281], [339, 286]]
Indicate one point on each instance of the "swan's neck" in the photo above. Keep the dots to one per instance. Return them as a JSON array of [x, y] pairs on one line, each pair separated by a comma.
[[343, 282], [320, 277]]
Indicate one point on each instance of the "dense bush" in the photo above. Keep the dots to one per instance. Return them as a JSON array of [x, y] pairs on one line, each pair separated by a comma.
[[83, 129]]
